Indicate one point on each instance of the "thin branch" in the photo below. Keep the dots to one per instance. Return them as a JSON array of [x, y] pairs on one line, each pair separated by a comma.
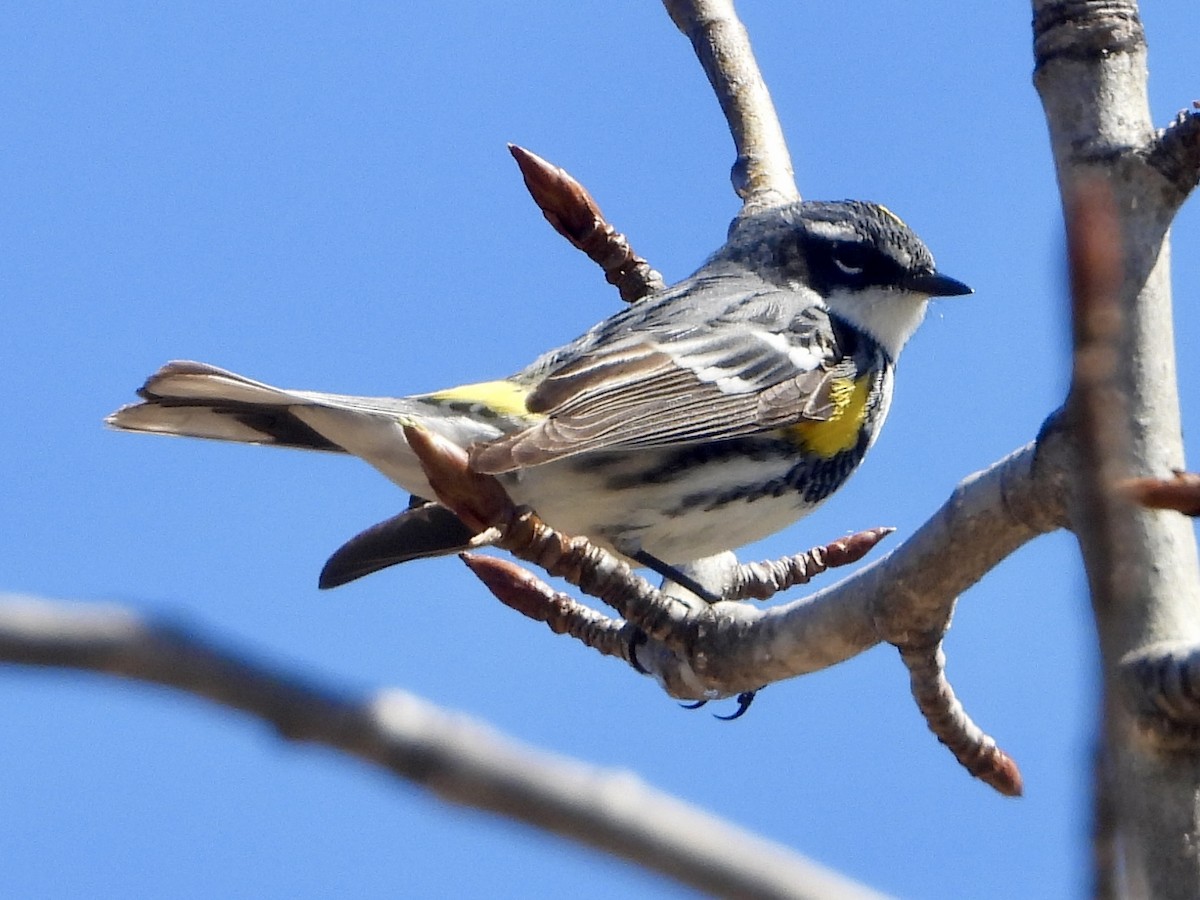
[[762, 175], [1101, 409], [458, 760], [702, 651], [762, 580], [949, 722], [1180, 493], [572, 212], [520, 589], [481, 502]]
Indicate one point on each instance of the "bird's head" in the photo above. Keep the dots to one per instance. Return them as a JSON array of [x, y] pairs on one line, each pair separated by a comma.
[[867, 265]]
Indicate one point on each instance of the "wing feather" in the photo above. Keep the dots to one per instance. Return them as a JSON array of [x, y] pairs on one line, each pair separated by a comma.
[[661, 388]]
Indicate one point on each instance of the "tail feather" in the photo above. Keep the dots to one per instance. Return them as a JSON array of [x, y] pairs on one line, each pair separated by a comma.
[[428, 529], [198, 400], [184, 381]]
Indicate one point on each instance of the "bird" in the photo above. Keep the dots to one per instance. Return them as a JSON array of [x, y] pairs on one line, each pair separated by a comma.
[[712, 413]]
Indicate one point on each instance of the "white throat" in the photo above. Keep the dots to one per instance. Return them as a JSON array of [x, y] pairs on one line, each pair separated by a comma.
[[889, 316]]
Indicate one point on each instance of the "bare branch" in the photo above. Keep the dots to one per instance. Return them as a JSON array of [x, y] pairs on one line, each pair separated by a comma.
[[762, 580], [456, 759], [701, 651], [762, 175], [523, 591], [1124, 403], [1181, 492], [949, 722], [570, 209]]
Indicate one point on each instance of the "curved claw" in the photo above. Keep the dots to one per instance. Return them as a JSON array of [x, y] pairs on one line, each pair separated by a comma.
[[744, 699], [636, 639], [696, 705]]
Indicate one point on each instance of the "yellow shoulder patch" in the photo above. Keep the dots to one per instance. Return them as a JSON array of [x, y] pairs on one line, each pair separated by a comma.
[[840, 431], [504, 397]]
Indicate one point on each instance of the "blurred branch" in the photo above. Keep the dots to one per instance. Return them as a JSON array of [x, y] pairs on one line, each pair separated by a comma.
[[1101, 413], [1100, 418], [762, 174], [453, 757], [1181, 492]]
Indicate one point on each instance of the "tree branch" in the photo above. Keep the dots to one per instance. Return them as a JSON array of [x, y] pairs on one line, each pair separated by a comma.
[[702, 651], [762, 174], [1124, 404], [456, 759], [949, 722], [574, 214]]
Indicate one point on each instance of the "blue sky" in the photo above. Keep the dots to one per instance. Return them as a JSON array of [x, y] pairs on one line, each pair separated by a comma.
[[319, 196]]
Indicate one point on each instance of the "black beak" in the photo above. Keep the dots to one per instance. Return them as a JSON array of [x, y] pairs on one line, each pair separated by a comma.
[[936, 285]]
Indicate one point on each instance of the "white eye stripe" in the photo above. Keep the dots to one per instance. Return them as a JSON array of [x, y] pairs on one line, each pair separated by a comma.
[[846, 268], [833, 231]]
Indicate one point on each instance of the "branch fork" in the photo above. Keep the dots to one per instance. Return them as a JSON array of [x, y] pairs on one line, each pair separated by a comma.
[[695, 650]]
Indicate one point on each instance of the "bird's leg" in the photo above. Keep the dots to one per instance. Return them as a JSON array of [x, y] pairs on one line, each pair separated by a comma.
[[673, 574]]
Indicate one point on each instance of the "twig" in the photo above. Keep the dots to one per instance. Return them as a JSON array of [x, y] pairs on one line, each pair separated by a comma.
[[481, 502], [949, 722], [762, 175], [1180, 493], [523, 591], [570, 209], [762, 580]]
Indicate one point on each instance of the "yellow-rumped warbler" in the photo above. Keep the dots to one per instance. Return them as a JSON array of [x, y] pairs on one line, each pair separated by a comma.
[[706, 416]]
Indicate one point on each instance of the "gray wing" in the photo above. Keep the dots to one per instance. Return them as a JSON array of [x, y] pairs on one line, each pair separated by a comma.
[[756, 368]]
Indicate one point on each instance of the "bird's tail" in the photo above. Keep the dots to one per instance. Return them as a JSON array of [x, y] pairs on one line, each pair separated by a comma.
[[198, 400]]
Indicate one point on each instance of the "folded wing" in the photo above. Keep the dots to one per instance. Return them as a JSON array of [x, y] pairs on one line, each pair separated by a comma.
[[653, 390]]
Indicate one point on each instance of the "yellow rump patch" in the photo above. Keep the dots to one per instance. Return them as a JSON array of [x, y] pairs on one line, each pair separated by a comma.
[[840, 431], [503, 397]]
